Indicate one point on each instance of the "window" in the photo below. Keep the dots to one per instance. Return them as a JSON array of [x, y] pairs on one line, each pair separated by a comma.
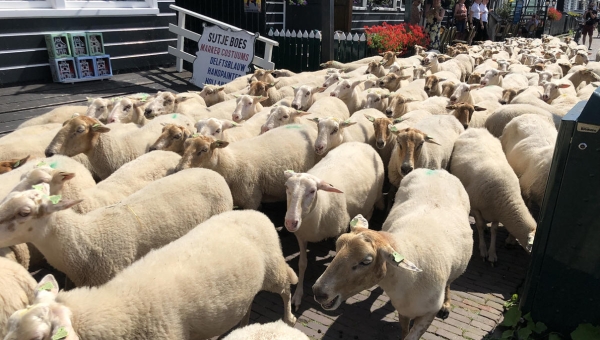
[[377, 5], [75, 8]]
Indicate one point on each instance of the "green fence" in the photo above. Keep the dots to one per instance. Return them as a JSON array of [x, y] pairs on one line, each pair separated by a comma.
[[301, 51]]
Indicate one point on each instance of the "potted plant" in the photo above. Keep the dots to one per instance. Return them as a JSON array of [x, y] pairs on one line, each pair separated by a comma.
[[400, 38]]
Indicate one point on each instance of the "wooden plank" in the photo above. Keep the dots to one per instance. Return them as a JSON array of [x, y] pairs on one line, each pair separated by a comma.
[[186, 33]]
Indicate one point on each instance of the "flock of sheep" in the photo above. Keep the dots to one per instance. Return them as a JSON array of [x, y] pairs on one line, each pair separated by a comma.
[[133, 198]]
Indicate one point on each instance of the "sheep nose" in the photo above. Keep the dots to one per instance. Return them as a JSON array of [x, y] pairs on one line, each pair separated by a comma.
[[148, 113], [320, 295], [295, 106], [332, 94], [236, 118], [406, 169], [482, 83], [388, 113], [291, 225], [502, 101], [49, 153], [380, 144], [427, 89], [453, 98], [319, 149]]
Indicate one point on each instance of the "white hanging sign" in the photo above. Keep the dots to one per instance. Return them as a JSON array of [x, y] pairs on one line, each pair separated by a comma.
[[222, 56]]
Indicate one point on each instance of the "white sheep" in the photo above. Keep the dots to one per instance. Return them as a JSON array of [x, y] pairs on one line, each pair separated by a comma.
[[428, 144], [333, 131], [165, 103], [350, 94], [305, 96], [128, 110], [504, 80], [142, 302], [16, 290], [173, 137], [28, 141], [277, 330], [400, 101], [528, 142], [18, 253], [460, 66], [321, 202], [214, 94], [254, 169], [376, 99], [117, 235], [474, 93], [107, 150], [268, 90], [425, 244], [493, 189], [496, 122], [57, 115], [433, 83], [246, 107], [473, 115]]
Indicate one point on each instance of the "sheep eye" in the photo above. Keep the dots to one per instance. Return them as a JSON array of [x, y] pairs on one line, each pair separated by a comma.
[[376, 100], [307, 94], [209, 92], [286, 117], [177, 136], [167, 102], [420, 145], [80, 129], [24, 213], [127, 108], [348, 86], [334, 131], [367, 261], [218, 131], [312, 191]]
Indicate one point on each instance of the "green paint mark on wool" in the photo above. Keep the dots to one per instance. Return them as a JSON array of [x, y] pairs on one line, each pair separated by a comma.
[[430, 172], [293, 126], [53, 165], [174, 116]]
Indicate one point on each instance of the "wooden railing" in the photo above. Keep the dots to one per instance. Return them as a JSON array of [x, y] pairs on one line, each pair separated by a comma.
[[179, 29]]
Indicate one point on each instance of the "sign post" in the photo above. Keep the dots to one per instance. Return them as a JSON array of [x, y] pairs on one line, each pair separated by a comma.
[[222, 56]]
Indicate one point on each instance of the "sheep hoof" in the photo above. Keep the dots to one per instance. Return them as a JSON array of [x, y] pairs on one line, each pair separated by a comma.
[[443, 313]]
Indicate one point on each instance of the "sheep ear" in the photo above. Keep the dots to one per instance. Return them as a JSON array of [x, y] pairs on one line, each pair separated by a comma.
[[394, 258], [385, 95], [408, 100], [179, 100], [356, 83], [55, 203], [63, 176], [405, 77], [359, 222], [564, 86], [221, 88], [295, 88], [429, 139], [538, 71], [20, 162], [393, 129], [397, 120], [502, 73], [442, 79], [479, 108], [346, 123], [271, 85], [521, 90], [259, 99], [322, 185], [316, 119], [289, 173], [227, 124], [370, 118], [100, 128], [301, 113], [474, 86], [218, 144], [46, 289]]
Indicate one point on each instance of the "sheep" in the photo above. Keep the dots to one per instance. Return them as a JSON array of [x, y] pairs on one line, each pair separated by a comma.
[[213, 94], [6, 166], [259, 88], [254, 169], [305, 97], [460, 68], [247, 129], [498, 120], [586, 92], [392, 82], [552, 91], [384, 139], [166, 103], [99, 108], [473, 94], [324, 107], [16, 291], [509, 94], [214, 300], [376, 69], [376, 99], [273, 330], [28, 141], [419, 290], [350, 94], [348, 67], [114, 236], [57, 115], [321, 202], [305, 78], [493, 189], [464, 112], [528, 142], [128, 111], [581, 58], [107, 151], [334, 131], [433, 83], [246, 107], [401, 104], [18, 253], [428, 144], [172, 138], [504, 80]]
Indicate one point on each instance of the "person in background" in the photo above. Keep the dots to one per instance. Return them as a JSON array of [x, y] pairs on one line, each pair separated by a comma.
[[589, 18], [433, 23], [533, 21], [483, 9], [460, 18], [475, 19], [415, 12]]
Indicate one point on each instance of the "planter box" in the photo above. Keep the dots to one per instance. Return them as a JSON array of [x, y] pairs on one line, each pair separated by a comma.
[[79, 45], [86, 67], [58, 45], [103, 66], [95, 43], [63, 69]]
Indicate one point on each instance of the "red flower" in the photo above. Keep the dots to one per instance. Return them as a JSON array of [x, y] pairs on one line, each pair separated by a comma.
[[554, 14], [397, 38]]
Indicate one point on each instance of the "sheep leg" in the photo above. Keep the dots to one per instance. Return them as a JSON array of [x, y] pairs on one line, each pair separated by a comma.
[[480, 223], [492, 252], [246, 319], [419, 327], [445, 310], [404, 325], [511, 240], [302, 262]]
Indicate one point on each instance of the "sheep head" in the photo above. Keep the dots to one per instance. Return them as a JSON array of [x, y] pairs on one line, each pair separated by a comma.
[[377, 100], [172, 138], [78, 135], [474, 78], [214, 127], [281, 115], [391, 81], [246, 107], [345, 88], [462, 92], [398, 105], [212, 94], [330, 133], [301, 190], [509, 94], [6, 166], [410, 142], [45, 318], [362, 259], [382, 132], [552, 90], [127, 110], [265, 76], [431, 83], [492, 77], [99, 108], [388, 59], [303, 96], [199, 151], [464, 112], [260, 88]]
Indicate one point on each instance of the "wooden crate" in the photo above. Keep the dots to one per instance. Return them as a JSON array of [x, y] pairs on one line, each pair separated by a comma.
[[58, 45]]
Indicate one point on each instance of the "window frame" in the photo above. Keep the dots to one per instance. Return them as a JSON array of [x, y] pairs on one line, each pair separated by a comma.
[[67, 8], [395, 7]]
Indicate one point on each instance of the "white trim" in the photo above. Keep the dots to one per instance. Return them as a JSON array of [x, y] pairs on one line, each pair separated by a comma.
[[5, 35], [138, 55], [22, 66], [27, 50], [139, 42], [69, 8]]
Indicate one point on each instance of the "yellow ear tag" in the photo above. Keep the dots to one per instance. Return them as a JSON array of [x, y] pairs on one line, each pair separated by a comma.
[[40, 164], [60, 334], [46, 286], [96, 125], [397, 257], [55, 198], [38, 187]]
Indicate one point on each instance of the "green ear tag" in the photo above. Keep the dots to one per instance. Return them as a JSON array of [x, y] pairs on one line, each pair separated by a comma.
[[60, 334], [53, 165], [55, 198], [96, 125], [17, 164], [38, 187], [354, 222], [40, 164], [46, 286], [195, 135], [144, 97], [174, 116], [397, 257]]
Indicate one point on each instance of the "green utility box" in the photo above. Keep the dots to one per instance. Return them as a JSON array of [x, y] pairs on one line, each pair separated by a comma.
[[562, 288]]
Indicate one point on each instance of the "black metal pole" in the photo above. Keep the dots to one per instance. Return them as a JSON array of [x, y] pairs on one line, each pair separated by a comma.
[[327, 21]]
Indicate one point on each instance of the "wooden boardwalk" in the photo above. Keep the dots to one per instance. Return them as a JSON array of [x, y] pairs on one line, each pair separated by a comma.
[[477, 296]]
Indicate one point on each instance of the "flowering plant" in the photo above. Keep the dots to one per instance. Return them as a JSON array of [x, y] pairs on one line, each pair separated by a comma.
[[396, 38], [554, 14], [297, 2]]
